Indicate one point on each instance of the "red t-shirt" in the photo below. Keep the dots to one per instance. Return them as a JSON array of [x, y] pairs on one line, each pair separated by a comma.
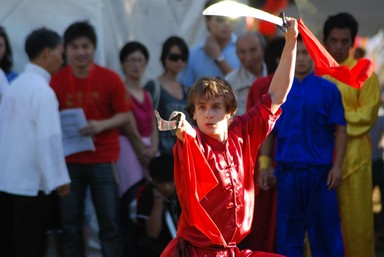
[[101, 95]]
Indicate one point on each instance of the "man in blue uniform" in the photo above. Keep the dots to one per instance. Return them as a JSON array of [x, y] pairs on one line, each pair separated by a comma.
[[310, 148]]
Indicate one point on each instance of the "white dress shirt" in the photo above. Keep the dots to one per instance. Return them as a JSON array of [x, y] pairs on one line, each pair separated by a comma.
[[31, 150]]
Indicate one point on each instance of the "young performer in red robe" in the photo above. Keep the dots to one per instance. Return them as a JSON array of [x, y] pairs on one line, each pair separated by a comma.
[[214, 163]]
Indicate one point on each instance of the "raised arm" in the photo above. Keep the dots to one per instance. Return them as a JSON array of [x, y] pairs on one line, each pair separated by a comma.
[[283, 78]]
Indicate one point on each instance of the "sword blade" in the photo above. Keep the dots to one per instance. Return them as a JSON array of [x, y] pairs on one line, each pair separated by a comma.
[[234, 10]]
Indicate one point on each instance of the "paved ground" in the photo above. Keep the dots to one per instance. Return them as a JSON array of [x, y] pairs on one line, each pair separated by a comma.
[[93, 249]]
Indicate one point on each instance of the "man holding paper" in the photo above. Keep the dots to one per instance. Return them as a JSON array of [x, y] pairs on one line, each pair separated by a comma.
[[100, 93]]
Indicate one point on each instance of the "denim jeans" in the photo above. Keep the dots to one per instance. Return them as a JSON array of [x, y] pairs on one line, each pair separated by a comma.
[[101, 178]]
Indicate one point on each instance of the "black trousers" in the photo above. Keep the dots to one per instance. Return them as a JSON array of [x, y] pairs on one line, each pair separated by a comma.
[[23, 225], [378, 180]]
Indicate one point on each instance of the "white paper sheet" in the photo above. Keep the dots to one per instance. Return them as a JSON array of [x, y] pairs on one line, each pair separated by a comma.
[[72, 120]]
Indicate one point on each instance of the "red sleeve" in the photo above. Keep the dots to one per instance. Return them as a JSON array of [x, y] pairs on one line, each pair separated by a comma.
[[259, 119]]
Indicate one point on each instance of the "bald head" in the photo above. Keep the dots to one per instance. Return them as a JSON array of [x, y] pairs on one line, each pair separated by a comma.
[[250, 50]]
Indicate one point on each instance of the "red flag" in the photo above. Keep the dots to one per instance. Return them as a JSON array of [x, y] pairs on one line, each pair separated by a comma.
[[325, 64]]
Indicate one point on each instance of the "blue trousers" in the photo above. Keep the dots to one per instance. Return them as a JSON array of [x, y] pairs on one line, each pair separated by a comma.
[[101, 178], [304, 204]]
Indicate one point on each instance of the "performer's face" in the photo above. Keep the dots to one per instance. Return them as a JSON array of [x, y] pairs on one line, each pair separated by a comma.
[[80, 52], [304, 62], [212, 118], [338, 43]]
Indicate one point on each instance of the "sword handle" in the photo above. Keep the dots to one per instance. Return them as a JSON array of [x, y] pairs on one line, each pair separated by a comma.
[[176, 118], [285, 25]]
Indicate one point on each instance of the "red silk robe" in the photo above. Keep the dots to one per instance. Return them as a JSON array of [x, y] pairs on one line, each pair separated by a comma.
[[215, 186]]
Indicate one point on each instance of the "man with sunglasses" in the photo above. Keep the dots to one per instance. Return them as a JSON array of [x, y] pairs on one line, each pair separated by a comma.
[[216, 56], [176, 57]]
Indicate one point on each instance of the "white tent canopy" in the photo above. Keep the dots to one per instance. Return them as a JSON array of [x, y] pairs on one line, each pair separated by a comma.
[[116, 22], [152, 21]]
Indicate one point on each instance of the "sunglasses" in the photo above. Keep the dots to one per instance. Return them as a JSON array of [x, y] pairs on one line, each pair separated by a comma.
[[175, 57]]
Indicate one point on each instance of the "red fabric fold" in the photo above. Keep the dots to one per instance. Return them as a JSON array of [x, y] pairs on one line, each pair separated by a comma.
[[195, 179], [325, 64]]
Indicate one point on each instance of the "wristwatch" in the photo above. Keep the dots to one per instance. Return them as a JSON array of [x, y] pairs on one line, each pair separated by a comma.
[[219, 58]]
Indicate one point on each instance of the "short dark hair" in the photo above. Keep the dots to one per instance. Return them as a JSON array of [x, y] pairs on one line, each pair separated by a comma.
[[207, 4], [206, 88], [131, 47], [7, 61], [341, 20], [40, 39], [80, 29], [169, 43], [273, 52], [161, 168]]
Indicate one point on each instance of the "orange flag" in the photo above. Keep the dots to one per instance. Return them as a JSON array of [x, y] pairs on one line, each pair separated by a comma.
[[325, 64]]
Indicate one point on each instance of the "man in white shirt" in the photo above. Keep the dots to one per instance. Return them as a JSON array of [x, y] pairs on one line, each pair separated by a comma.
[[31, 151], [250, 51]]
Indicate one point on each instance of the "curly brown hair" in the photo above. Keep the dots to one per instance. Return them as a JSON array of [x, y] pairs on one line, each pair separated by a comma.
[[206, 88]]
